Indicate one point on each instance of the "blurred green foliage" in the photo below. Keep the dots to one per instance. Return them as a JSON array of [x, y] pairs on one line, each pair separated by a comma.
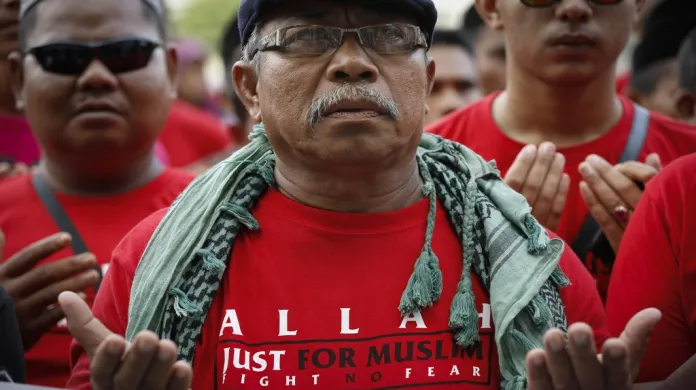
[[205, 20]]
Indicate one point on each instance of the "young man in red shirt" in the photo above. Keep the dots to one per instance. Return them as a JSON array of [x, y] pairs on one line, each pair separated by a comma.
[[655, 267], [559, 128], [96, 115], [292, 262]]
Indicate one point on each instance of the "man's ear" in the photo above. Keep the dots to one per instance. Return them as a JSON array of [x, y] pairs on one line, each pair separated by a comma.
[[245, 80], [172, 70], [16, 62], [635, 96], [686, 106], [430, 72], [488, 10]]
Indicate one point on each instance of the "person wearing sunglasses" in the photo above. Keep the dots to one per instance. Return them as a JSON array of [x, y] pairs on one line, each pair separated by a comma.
[[342, 247], [559, 129], [95, 80]]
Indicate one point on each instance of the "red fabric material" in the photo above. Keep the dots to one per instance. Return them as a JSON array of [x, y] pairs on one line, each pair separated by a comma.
[[101, 221], [622, 83], [656, 267], [191, 134], [475, 127], [312, 267]]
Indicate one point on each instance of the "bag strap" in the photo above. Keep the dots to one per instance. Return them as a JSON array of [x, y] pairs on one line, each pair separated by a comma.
[[60, 217], [590, 231]]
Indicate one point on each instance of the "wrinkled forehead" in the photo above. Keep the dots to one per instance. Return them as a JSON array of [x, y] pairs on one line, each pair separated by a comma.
[[348, 14], [90, 20]]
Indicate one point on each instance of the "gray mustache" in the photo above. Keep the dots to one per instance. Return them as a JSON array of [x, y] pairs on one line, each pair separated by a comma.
[[350, 92]]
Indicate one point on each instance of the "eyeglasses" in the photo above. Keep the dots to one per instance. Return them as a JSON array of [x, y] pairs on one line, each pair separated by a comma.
[[119, 56], [317, 40], [547, 3]]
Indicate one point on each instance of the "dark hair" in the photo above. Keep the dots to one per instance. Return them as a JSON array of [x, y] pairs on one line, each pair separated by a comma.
[[453, 38], [687, 63], [645, 80], [472, 25], [230, 49], [153, 10]]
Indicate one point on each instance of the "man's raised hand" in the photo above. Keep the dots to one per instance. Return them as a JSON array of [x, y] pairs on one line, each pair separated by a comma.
[[147, 364]]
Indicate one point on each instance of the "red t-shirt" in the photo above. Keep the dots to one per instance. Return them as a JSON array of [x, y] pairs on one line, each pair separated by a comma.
[[101, 222], [475, 127], [191, 134], [311, 301], [656, 267]]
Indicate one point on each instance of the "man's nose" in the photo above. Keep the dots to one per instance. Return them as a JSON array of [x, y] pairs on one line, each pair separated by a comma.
[[350, 63], [97, 76], [574, 11]]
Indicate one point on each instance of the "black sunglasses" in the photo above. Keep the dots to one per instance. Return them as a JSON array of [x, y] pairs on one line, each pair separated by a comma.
[[72, 58], [547, 3]]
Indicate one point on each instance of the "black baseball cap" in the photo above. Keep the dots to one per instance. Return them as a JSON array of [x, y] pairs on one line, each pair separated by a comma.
[[250, 12]]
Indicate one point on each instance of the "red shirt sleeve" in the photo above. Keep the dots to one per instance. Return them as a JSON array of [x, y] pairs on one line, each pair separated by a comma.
[[112, 300], [649, 272], [581, 299]]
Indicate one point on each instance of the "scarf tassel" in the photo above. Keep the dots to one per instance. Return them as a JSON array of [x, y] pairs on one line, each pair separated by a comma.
[[183, 307], [210, 262], [425, 284], [463, 315], [241, 214], [538, 239], [517, 383], [539, 311]]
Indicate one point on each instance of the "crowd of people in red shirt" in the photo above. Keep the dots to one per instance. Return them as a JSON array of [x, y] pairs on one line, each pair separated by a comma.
[[105, 123]]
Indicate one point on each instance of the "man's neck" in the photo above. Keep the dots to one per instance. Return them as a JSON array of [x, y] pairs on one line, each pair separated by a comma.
[[7, 101], [381, 192], [532, 111], [67, 181]]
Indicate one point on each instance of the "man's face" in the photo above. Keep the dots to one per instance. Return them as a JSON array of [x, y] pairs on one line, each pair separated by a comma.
[[9, 27], [192, 85], [96, 112], [663, 97], [569, 43], [489, 51], [293, 91], [455, 81]]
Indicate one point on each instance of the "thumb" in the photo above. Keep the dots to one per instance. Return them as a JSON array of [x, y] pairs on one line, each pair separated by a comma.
[[636, 335], [83, 326], [654, 161]]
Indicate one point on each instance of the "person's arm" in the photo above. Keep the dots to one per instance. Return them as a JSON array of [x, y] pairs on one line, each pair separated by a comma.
[[647, 274], [683, 378]]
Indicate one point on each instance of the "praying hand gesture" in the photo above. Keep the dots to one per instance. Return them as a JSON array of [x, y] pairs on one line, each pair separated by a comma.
[[537, 173], [576, 366], [147, 363]]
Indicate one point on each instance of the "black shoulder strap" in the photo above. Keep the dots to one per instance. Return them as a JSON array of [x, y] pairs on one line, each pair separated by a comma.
[[48, 198], [590, 230], [60, 217]]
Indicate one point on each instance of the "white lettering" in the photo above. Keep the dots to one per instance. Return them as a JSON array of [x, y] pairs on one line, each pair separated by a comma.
[[243, 378], [260, 361], [455, 370], [235, 360], [226, 365], [231, 321], [264, 381], [431, 371], [415, 317], [408, 373], [104, 269], [290, 380], [283, 326], [485, 316], [316, 379], [477, 371], [276, 359], [345, 323]]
